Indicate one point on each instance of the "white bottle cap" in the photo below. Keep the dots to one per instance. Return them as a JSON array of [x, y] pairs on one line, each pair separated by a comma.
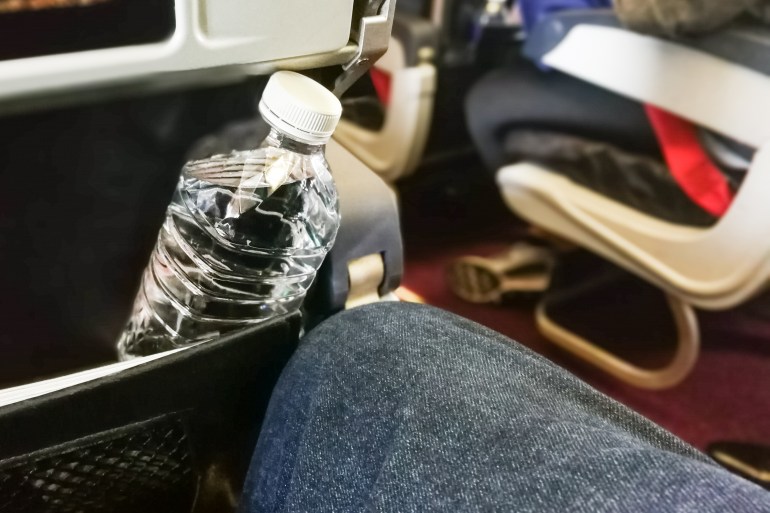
[[300, 107]]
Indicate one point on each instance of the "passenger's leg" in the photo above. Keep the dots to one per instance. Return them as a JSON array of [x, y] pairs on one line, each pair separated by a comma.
[[397, 407]]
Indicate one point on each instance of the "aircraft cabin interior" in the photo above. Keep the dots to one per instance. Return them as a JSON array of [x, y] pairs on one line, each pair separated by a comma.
[[384, 255]]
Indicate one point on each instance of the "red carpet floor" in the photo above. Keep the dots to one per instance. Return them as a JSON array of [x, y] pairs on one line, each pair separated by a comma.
[[727, 397]]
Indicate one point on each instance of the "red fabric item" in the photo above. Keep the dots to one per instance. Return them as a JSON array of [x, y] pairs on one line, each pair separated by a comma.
[[381, 81], [691, 167]]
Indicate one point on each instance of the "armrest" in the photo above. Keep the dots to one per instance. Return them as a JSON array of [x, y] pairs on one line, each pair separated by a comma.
[[370, 227], [720, 81], [553, 28], [418, 38], [715, 268], [746, 44]]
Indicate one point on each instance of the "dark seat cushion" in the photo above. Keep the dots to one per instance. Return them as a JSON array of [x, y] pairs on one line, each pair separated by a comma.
[[523, 96], [597, 139], [642, 183]]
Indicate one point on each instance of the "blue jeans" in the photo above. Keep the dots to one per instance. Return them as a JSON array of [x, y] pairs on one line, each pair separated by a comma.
[[399, 407]]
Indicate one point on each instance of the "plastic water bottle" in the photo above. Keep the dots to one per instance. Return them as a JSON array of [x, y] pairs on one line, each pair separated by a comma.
[[246, 232]]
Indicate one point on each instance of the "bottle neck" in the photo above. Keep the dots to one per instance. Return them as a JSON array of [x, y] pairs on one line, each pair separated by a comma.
[[278, 139]]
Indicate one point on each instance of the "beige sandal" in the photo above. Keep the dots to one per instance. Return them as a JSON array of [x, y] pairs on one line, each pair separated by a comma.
[[522, 269]]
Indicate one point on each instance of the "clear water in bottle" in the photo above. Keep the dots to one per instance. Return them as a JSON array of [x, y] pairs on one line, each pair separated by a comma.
[[241, 243]]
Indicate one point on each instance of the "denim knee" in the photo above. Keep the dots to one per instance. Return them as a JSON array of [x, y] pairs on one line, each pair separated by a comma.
[[395, 330]]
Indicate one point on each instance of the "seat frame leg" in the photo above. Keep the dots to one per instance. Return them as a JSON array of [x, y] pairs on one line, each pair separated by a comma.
[[680, 366]]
